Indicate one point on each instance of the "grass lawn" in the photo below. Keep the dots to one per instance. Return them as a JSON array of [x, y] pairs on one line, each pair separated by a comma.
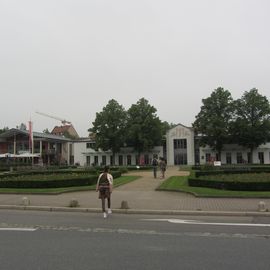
[[180, 183], [117, 182]]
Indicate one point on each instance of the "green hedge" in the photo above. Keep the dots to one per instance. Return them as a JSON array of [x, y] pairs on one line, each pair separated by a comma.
[[48, 183], [236, 167], [47, 172], [53, 182], [251, 170], [230, 185], [233, 184]]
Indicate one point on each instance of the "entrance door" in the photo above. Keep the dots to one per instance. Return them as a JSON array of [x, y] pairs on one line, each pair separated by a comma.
[[180, 151]]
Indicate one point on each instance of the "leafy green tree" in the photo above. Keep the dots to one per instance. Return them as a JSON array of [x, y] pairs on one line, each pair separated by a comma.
[[144, 128], [3, 129], [109, 127], [251, 126], [212, 123], [165, 126], [46, 131], [22, 126]]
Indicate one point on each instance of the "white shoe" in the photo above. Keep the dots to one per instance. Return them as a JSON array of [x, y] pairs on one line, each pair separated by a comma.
[[109, 211], [104, 215]]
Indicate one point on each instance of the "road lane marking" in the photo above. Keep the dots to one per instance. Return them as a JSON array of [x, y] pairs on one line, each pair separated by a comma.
[[197, 222], [19, 229], [134, 231]]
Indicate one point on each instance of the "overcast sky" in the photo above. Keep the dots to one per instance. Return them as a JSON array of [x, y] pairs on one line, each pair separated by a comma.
[[68, 58]]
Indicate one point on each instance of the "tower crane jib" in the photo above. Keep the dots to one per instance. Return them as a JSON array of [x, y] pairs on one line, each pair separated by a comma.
[[63, 121]]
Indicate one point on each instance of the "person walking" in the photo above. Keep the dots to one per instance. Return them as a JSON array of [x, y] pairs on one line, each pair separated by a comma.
[[104, 186], [162, 165], [155, 166]]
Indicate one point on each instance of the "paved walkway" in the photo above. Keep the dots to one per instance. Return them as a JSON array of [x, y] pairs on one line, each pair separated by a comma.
[[140, 195]]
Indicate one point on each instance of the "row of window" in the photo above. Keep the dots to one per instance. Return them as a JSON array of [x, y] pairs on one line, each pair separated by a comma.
[[21, 146], [91, 145], [180, 143], [239, 158], [120, 160]]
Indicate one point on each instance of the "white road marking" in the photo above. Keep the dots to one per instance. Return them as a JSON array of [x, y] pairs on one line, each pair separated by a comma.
[[19, 229], [196, 222]]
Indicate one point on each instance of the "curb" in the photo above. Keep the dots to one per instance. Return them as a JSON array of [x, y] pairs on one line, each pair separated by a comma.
[[135, 211]]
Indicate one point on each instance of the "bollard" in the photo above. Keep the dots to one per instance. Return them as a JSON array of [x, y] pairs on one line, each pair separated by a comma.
[[73, 203], [25, 201], [261, 206], [124, 205]]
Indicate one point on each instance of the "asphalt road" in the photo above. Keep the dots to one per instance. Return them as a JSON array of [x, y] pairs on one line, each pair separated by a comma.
[[51, 240]]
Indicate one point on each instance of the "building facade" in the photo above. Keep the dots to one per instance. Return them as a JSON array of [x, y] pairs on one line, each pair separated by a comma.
[[86, 155], [180, 148], [183, 149], [46, 148]]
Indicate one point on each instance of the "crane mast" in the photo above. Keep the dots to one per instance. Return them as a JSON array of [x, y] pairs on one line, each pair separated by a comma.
[[63, 121]]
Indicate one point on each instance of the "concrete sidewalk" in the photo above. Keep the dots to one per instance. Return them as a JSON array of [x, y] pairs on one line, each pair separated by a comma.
[[141, 198]]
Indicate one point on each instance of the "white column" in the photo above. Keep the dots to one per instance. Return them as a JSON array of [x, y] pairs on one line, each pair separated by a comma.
[[40, 147]]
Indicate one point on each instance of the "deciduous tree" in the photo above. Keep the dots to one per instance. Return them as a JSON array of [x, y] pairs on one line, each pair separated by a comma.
[[251, 126], [109, 127], [144, 127], [213, 121]]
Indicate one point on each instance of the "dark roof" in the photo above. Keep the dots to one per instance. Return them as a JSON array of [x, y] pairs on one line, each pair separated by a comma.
[[15, 131], [60, 129]]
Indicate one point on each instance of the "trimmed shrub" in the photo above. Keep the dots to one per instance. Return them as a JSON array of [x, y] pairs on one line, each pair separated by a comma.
[[241, 181], [51, 181]]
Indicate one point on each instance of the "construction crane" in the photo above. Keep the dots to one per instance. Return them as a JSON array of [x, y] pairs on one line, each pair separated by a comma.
[[63, 121]]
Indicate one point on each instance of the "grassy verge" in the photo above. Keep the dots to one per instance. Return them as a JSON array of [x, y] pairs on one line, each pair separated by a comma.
[[180, 183], [117, 182]]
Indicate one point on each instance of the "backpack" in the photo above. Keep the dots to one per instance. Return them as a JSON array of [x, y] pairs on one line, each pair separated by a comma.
[[154, 162], [103, 180]]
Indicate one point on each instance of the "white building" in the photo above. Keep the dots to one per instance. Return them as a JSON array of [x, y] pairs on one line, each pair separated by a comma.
[[181, 148], [86, 155]]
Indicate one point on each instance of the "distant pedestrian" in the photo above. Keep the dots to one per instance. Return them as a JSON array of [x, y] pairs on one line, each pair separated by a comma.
[[104, 186], [155, 166], [162, 166]]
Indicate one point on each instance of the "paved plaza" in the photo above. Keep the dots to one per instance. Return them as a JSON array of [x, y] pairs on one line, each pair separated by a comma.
[[140, 196]]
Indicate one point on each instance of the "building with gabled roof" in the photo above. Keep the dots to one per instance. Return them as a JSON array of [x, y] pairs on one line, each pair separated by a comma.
[[66, 131]]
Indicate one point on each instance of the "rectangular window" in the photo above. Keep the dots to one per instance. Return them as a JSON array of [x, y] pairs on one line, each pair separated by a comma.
[[128, 159], [96, 160], [208, 157], [137, 159], [111, 160], [261, 157], [180, 143], [90, 145], [249, 157], [239, 158], [228, 158], [146, 159], [104, 160], [175, 144], [120, 160], [88, 160]]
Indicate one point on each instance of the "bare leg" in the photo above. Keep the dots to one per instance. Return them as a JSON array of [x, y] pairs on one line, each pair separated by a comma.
[[109, 202], [103, 204]]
